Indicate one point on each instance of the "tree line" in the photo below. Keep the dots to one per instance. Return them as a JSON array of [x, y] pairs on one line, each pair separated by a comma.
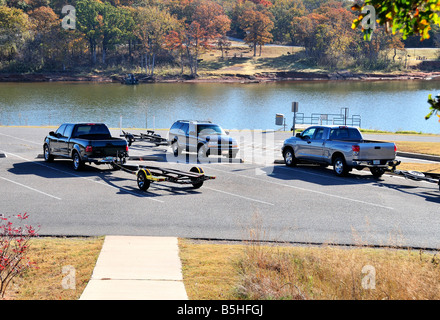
[[147, 33]]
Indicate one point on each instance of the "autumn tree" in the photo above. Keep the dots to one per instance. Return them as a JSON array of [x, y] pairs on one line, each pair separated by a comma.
[[174, 43], [207, 24], [326, 35], [152, 27], [258, 27], [46, 28]]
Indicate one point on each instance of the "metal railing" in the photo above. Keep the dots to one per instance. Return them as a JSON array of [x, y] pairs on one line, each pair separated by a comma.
[[328, 119]]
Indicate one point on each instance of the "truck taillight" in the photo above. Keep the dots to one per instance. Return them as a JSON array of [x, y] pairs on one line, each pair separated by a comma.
[[395, 148], [355, 148], [126, 148], [89, 149]]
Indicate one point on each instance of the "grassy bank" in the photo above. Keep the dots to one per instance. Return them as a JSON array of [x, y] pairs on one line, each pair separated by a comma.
[[46, 281], [238, 61], [218, 271]]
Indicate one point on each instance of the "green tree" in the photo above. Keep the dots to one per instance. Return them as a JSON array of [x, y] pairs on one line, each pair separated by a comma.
[[115, 24], [13, 31], [283, 12], [409, 17], [434, 106], [88, 22]]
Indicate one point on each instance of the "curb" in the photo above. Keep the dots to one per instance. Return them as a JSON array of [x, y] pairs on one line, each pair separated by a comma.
[[418, 156]]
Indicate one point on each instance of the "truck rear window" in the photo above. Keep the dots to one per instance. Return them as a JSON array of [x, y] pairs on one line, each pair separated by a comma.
[[91, 130], [349, 134]]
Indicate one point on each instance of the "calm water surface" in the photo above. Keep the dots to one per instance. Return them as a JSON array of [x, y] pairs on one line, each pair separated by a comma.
[[386, 105]]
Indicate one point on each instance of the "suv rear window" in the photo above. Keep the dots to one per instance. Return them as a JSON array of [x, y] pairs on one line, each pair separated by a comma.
[[348, 134]]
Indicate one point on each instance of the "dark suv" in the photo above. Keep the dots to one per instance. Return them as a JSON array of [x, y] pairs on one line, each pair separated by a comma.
[[202, 137]]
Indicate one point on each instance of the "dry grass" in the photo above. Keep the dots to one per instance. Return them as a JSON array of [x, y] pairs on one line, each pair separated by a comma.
[[256, 271], [432, 148], [45, 282], [208, 269]]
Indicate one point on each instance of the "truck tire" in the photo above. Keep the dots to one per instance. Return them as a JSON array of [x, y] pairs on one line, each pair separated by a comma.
[[175, 147], [289, 157], [46, 153], [197, 185], [142, 181], [78, 164], [340, 167], [202, 152], [377, 172]]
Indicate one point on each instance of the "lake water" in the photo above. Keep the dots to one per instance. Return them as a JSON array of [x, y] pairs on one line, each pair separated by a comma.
[[385, 105]]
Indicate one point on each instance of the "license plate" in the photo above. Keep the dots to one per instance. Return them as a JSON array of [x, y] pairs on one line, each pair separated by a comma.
[[376, 161], [225, 152]]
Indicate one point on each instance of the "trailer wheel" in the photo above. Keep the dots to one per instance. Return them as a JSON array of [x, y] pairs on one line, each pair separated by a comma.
[[142, 180], [195, 184]]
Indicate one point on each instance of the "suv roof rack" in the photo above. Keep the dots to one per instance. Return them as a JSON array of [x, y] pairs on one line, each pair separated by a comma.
[[206, 121]]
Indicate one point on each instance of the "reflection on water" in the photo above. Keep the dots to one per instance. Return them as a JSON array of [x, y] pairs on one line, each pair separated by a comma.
[[386, 105]]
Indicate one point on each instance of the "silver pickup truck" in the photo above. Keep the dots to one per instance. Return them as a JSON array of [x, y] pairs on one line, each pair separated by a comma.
[[340, 146]]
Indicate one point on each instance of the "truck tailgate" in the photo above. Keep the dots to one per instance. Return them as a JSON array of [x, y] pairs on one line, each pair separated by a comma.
[[374, 150], [108, 147]]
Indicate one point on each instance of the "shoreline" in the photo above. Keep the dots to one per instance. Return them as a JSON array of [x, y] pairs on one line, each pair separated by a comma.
[[224, 78]]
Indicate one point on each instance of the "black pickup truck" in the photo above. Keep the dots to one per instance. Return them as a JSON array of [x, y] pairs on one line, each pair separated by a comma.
[[84, 142]]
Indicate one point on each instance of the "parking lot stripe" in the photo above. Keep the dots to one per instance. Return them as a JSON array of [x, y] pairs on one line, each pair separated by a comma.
[[22, 185], [7, 135], [308, 190], [76, 175], [239, 196]]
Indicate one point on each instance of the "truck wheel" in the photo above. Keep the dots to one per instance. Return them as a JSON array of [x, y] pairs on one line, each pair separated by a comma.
[[377, 172], [78, 164], [231, 155], [142, 181], [197, 185], [46, 152], [289, 157], [202, 152], [340, 167], [176, 150]]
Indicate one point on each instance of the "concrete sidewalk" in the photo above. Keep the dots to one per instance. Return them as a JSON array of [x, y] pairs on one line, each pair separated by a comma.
[[137, 268]]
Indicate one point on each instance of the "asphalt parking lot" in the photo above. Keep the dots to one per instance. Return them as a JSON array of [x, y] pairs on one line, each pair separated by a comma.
[[302, 204]]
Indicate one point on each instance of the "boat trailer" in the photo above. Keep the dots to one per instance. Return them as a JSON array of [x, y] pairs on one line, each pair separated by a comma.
[[415, 175], [150, 136], [145, 175]]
